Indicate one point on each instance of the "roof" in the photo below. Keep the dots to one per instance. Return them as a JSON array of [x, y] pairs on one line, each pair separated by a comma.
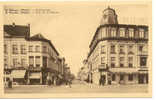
[[40, 37], [17, 30]]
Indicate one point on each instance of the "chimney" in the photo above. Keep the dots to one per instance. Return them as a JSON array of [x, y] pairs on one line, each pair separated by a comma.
[[28, 34]]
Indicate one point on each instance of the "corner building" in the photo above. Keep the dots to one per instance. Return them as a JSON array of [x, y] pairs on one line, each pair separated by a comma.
[[30, 59], [118, 52]]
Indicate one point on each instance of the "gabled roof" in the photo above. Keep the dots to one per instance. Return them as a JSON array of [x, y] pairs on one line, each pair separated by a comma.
[[16, 30], [40, 37]]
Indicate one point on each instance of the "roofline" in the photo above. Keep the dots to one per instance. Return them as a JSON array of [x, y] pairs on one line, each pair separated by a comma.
[[44, 40], [117, 25]]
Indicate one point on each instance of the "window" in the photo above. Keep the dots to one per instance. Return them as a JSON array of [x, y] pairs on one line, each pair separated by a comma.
[[102, 60], [15, 49], [37, 49], [103, 32], [102, 49], [122, 32], [44, 49], [121, 49], [140, 48], [130, 61], [15, 62], [23, 62], [141, 33], [131, 33], [5, 62], [130, 49], [37, 61], [112, 49], [143, 61], [113, 32], [121, 77], [130, 77], [121, 61], [31, 48], [5, 49], [23, 49], [112, 65], [113, 77], [31, 61], [112, 59]]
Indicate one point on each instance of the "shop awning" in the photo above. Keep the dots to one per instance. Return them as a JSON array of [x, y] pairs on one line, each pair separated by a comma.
[[18, 73], [124, 70], [35, 75]]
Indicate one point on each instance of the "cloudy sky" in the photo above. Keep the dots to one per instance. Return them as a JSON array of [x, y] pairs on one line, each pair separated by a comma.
[[71, 26]]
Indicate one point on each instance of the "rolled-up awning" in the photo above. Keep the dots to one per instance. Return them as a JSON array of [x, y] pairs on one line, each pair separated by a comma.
[[124, 70], [36, 75], [18, 73]]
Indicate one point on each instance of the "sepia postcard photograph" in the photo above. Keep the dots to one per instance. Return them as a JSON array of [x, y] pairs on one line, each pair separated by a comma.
[[76, 49]]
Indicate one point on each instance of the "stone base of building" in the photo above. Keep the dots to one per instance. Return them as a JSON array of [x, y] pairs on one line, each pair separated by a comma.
[[119, 78]]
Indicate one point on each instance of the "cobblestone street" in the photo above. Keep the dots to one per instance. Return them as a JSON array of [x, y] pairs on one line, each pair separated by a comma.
[[78, 87]]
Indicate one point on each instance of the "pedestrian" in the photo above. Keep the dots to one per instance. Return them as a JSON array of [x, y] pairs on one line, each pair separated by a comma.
[[69, 83]]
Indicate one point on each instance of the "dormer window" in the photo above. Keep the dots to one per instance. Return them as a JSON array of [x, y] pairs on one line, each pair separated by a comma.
[[122, 32], [113, 32], [141, 33], [131, 33]]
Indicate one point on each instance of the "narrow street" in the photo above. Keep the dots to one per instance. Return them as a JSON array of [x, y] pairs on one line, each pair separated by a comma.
[[79, 87]]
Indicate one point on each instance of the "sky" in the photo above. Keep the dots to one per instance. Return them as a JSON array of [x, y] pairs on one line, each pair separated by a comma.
[[71, 26]]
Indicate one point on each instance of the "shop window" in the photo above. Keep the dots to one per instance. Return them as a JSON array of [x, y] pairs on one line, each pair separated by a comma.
[[113, 77], [130, 77]]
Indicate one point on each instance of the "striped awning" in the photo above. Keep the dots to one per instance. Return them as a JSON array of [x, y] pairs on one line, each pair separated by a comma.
[[18, 73], [35, 75]]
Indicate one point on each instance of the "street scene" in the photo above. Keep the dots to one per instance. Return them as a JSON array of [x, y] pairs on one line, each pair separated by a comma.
[[78, 87], [76, 49]]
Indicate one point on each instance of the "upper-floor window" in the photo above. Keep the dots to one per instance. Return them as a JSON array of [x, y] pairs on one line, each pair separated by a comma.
[[37, 49], [122, 32], [112, 49], [37, 61], [5, 49], [143, 61], [30, 48], [15, 62], [140, 48], [5, 63], [122, 61], [121, 49], [14, 49], [102, 60], [131, 33], [31, 61], [112, 62], [103, 49], [130, 49], [113, 32], [23, 62], [44, 49], [141, 33], [23, 49], [130, 61], [103, 32]]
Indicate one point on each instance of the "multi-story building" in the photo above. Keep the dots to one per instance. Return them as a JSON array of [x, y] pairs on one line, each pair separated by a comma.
[[118, 52], [29, 59]]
